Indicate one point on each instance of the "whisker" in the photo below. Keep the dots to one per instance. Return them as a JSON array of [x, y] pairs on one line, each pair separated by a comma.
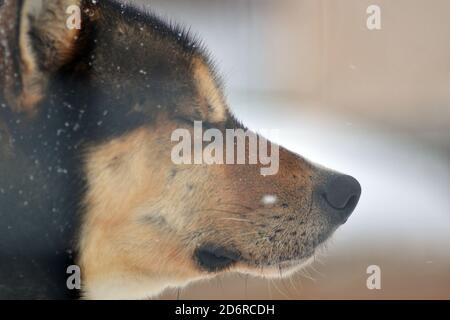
[[278, 289], [218, 210], [236, 219], [237, 205]]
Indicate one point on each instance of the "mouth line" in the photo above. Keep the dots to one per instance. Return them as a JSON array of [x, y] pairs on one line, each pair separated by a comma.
[[287, 264], [213, 258], [276, 270], [218, 259], [284, 264], [293, 262]]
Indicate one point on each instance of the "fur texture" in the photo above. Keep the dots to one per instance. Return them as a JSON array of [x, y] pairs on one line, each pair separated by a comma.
[[85, 170]]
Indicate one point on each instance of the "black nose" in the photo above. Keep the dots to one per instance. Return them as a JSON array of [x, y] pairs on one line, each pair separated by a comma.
[[341, 194]]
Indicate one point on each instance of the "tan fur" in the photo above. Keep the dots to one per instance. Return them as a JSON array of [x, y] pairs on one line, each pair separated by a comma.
[[45, 15], [144, 218], [131, 181], [124, 181], [33, 80], [212, 97]]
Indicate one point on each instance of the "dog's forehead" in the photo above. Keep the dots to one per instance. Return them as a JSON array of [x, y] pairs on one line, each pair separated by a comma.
[[158, 65]]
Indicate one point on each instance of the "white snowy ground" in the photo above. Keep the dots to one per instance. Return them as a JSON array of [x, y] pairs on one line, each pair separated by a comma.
[[402, 223]]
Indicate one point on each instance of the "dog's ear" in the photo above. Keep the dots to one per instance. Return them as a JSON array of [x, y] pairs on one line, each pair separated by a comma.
[[44, 43], [212, 105]]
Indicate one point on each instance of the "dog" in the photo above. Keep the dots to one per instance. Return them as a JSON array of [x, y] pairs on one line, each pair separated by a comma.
[[86, 175]]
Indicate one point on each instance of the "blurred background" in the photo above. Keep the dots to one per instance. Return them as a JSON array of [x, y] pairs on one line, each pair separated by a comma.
[[371, 103]]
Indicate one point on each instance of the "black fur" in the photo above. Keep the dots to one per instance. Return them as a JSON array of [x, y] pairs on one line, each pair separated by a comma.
[[128, 65]]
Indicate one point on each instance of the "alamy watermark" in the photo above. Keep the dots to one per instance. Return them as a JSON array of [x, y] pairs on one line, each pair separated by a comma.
[[373, 21], [191, 150], [73, 281], [374, 280], [74, 19]]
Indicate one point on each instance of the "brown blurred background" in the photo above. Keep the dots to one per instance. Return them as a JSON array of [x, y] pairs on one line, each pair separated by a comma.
[[372, 103]]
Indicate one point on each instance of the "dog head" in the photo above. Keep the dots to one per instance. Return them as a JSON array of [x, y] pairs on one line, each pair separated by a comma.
[[149, 222]]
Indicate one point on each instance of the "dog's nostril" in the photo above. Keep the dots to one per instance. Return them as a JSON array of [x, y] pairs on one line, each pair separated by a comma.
[[342, 194]]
